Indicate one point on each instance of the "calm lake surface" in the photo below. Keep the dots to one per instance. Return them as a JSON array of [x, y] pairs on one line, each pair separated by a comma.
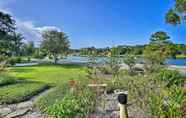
[[180, 62], [79, 59]]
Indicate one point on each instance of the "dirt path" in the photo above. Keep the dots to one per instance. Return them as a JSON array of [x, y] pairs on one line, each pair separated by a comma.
[[23, 109], [111, 110]]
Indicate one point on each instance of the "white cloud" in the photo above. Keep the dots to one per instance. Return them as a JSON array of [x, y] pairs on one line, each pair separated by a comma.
[[30, 31], [41, 29]]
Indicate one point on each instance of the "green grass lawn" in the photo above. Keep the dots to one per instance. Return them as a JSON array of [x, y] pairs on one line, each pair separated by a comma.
[[20, 91], [49, 73], [55, 75], [53, 101]]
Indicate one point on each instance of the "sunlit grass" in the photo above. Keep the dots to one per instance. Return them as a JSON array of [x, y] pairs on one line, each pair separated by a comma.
[[49, 73]]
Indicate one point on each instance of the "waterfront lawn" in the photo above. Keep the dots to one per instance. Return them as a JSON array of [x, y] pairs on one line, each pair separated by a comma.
[[55, 75], [48, 73]]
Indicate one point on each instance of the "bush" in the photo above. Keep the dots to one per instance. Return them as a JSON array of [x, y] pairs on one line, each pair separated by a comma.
[[5, 80], [1, 116], [155, 98], [39, 54], [14, 60], [114, 85], [73, 105], [168, 106], [130, 61], [170, 77], [105, 69]]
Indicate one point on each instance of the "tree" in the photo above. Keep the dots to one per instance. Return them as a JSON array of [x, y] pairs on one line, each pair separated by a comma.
[[177, 13], [29, 49], [56, 43], [7, 29], [17, 43], [159, 37], [159, 49], [39, 53]]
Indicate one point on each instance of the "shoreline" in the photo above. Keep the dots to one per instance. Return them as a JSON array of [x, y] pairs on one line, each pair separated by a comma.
[[181, 69]]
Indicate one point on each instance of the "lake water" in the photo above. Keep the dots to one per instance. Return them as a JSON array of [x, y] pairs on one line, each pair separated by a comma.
[[180, 62], [78, 59]]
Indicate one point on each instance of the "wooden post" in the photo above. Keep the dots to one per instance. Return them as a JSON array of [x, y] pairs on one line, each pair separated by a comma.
[[72, 84], [122, 99]]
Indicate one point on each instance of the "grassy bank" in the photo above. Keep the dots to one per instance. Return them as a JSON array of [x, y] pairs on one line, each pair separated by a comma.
[[181, 56]]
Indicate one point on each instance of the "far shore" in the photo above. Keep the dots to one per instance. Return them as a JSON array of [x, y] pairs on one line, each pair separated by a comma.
[[181, 69]]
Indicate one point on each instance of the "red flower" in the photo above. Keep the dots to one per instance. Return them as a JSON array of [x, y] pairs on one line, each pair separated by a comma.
[[72, 83]]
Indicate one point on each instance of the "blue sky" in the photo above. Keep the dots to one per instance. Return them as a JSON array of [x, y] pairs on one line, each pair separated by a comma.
[[98, 23]]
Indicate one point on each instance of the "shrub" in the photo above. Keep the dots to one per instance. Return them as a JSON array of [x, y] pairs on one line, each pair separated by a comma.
[[1, 116], [113, 85], [170, 77], [166, 106], [39, 54], [5, 80], [105, 69], [130, 61], [73, 105], [155, 98], [14, 60]]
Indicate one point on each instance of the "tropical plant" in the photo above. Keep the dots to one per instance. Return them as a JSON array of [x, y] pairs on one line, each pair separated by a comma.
[[73, 105], [14, 60]]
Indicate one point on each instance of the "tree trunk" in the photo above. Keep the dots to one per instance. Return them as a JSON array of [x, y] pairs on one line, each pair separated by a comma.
[[55, 59]]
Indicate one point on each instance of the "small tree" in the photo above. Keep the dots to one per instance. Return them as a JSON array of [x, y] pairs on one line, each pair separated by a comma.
[[17, 43], [56, 43], [158, 50], [29, 49]]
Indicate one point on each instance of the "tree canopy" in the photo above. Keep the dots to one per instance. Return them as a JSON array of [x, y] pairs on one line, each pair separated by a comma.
[[159, 37], [7, 28], [177, 13], [56, 43], [159, 48]]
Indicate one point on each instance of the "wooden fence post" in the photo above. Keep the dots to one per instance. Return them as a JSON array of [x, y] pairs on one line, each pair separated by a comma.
[[122, 99]]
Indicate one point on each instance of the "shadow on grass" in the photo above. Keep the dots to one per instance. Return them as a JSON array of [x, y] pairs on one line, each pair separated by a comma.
[[67, 65], [22, 69]]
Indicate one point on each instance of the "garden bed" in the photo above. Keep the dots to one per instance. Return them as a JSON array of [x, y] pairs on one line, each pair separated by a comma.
[[20, 92], [6, 80]]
